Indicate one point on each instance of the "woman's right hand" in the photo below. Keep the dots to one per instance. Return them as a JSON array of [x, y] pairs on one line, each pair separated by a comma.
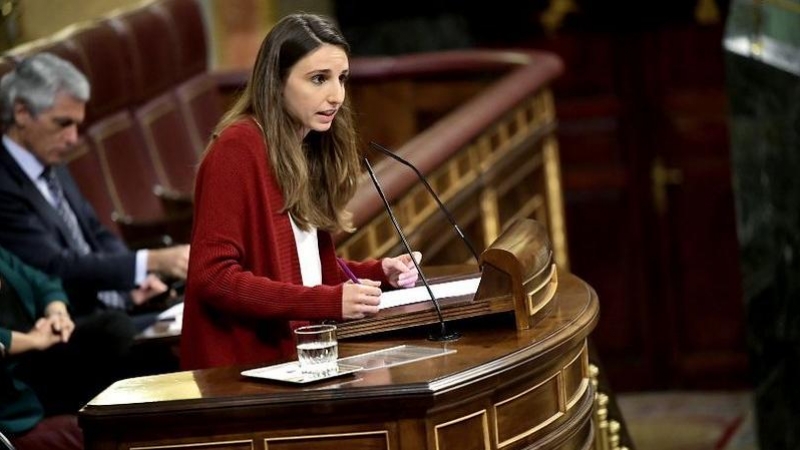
[[360, 300]]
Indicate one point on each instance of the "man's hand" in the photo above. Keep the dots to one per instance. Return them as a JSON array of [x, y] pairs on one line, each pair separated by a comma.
[[172, 262], [150, 287]]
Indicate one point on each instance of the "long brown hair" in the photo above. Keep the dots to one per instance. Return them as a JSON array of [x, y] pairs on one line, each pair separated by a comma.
[[318, 175]]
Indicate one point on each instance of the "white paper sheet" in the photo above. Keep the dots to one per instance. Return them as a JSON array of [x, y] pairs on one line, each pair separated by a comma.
[[418, 294], [389, 299], [174, 312]]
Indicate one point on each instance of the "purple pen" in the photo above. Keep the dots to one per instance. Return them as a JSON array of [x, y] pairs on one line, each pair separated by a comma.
[[347, 271]]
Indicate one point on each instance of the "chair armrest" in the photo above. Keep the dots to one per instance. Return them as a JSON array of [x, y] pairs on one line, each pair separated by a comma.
[[174, 202], [154, 233]]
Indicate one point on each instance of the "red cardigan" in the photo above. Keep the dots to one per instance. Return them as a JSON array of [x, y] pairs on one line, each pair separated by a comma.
[[244, 289]]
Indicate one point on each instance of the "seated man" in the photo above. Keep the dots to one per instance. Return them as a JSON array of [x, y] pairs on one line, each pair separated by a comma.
[[49, 365], [45, 219]]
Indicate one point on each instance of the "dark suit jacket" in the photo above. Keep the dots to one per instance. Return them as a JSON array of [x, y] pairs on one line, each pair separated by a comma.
[[31, 228]]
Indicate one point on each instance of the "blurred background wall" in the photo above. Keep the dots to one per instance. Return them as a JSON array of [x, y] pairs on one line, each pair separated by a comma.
[[236, 26]]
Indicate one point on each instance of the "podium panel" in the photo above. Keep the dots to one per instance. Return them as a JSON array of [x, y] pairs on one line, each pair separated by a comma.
[[502, 388]]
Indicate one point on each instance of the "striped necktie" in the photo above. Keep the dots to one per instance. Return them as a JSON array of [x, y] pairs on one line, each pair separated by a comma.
[[112, 299]]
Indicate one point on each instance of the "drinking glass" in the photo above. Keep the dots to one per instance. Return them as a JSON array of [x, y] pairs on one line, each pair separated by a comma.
[[317, 349]]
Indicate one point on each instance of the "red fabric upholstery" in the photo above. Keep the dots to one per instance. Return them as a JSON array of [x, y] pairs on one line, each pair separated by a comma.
[[127, 166], [151, 49], [52, 433], [132, 182], [201, 107], [108, 68], [185, 20], [169, 142]]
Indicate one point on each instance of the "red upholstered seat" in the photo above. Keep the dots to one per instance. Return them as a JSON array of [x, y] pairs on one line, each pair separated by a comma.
[[185, 19], [201, 105], [151, 51], [52, 433], [170, 146], [87, 169], [127, 165], [131, 175], [61, 46], [107, 67]]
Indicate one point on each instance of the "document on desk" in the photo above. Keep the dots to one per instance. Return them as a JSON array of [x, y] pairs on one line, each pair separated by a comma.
[[174, 312], [418, 294], [389, 299]]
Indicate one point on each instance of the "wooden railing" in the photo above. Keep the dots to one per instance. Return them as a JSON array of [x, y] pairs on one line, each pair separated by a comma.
[[492, 159]]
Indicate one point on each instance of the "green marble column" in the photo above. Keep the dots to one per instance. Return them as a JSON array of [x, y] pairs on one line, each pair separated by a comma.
[[762, 51]]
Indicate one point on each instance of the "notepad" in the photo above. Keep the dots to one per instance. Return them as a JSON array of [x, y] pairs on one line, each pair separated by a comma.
[[399, 297]]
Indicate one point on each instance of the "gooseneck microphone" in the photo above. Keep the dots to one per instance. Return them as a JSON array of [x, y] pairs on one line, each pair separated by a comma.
[[443, 333], [442, 208]]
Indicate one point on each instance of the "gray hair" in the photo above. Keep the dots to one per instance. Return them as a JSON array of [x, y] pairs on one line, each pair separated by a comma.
[[35, 81]]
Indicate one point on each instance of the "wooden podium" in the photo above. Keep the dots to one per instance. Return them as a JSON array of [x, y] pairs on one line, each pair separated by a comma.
[[512, 381], [518, 275]]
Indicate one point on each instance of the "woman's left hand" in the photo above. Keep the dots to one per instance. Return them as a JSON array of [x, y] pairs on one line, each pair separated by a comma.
[[400, 270]]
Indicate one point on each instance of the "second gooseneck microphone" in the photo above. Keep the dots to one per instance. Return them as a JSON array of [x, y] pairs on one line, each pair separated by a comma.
[[442, 208], [443, 333]]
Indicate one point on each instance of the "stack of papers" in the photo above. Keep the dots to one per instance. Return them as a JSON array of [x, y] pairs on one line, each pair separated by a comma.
[[418, 294]]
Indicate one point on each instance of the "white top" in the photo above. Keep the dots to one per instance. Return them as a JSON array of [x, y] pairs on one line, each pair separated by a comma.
[[308, 254]]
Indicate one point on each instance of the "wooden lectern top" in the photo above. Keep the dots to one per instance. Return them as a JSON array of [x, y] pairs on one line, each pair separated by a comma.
[[518, 275]]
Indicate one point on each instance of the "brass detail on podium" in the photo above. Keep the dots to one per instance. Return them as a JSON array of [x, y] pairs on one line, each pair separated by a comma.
[[491, 217], [553, 17], [662, 177], [706, 12], [555, 201], [609, 431]]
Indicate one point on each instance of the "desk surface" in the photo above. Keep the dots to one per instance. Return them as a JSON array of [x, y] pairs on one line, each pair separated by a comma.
[[493, 363]]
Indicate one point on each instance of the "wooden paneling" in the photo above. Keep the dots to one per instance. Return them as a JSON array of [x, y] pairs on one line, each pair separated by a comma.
[[501, 388], [371, 440], [640, 98]]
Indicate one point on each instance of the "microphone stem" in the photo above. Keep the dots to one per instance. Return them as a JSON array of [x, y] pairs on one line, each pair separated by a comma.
[[444, 334], [442, 208]]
